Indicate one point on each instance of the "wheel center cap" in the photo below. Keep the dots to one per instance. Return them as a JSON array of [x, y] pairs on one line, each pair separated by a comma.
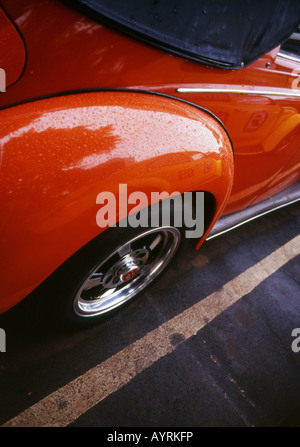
[[130, 274]]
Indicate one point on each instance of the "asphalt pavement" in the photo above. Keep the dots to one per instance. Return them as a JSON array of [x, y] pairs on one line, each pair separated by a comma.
[[212, 344]]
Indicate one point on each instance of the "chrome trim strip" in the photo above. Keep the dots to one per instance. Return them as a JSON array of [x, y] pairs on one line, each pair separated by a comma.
[[230, 222], [295, 36], [240, 92], [291, 58]]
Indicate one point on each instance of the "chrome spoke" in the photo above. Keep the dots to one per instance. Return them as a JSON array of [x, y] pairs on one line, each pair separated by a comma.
[[112, 281], [124, 250], [155, 242], [94, 281]]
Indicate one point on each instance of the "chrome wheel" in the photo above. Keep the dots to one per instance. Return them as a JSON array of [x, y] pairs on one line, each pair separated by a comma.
[[126, 271]]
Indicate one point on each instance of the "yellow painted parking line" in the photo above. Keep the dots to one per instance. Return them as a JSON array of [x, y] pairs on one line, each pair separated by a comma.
[[78, 396]]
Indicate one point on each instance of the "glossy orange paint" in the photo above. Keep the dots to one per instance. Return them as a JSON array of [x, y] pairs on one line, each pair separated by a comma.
[[55, 163], [265, 131], [98, 57]]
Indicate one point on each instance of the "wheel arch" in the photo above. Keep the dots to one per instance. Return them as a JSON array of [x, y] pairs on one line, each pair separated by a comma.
[[72, 146]]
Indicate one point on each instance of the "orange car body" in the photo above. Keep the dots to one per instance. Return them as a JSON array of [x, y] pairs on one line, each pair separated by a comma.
[[87, 108]]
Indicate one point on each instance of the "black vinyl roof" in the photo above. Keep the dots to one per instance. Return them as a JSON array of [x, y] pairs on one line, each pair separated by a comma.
[[223, 33]]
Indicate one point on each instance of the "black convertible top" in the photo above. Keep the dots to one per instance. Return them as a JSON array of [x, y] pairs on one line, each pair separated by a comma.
[[224, 33]]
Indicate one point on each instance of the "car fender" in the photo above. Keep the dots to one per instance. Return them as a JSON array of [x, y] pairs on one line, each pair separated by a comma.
[[58, 154]]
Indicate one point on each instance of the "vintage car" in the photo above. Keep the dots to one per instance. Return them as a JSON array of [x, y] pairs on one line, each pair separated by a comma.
[[110, 112]]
